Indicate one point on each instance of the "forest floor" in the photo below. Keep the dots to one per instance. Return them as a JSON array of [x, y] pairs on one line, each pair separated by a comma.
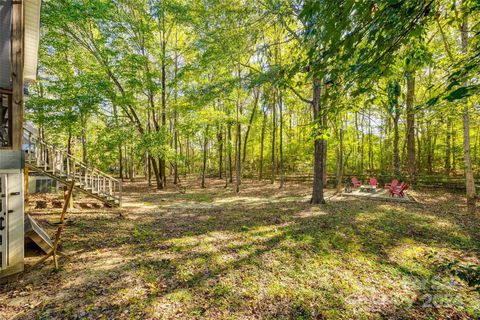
[[262, 254]]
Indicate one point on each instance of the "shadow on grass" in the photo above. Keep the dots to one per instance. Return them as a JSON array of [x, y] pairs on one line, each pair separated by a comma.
[[272, 260]]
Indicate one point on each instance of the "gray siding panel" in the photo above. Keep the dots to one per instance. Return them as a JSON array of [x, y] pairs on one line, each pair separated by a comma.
[[5, 47]]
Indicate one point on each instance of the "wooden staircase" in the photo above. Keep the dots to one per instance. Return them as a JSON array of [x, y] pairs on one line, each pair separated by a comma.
[[57, 164]]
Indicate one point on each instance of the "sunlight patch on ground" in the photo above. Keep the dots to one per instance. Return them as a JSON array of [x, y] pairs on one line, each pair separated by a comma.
[[311, 212], [95, 261], [191, 205], [139, 205], [410, 256]]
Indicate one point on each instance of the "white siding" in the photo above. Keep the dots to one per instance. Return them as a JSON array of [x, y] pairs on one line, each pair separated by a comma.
[[32, 35]]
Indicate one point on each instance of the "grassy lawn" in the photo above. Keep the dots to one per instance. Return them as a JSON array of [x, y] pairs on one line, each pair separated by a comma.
[[262, 254]]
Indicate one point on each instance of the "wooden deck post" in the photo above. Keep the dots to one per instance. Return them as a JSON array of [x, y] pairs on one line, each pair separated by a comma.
[[18, 54]]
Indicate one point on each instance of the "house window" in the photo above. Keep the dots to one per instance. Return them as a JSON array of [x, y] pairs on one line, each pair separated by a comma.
[[45, 185]]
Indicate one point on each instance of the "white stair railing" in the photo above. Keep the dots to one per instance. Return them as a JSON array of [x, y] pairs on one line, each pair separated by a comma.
[[59, 163]]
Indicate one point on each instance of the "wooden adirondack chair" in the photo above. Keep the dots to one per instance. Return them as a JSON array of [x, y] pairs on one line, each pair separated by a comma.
[[374, 182], [355, 182], [394, 183], [399, 191]]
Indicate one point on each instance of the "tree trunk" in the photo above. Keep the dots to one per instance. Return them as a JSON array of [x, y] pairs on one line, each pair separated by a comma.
[[175, 116], [187, 158], [175, 146], [131, 166], [475, 146], [419, 148], [225, 165], [340, 159], [317, 193], [370, 142], [149, 171], [120, 162], [252, 117], [274, 134], [470, 183], [161, 173], [324, 143], [162, 162], [411, 165], [358, 146], [84, 139], [280, 163], [448, 148], [127, 176], [153, 163], [69, 141], [434, 147], [205, 145], [262, 142], [229, 147], [238, 149], [396, 139], [220, 151], [454, 150]]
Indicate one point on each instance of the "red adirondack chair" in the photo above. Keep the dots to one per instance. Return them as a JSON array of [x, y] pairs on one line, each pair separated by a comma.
[[394, 183], [374, 182], [355, 182], [399, 191]]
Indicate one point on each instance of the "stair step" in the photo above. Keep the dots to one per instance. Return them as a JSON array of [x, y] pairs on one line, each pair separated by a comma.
[[60, 175]]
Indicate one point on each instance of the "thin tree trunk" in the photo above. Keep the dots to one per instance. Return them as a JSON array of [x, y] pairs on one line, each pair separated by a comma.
[[317, 193], [470, 182], [238, 149], [120, 162], [120, 159], [187, 158], [362, 144], [156, 172], [454, 150], [448, 148], [175, 116], [205, 145], [161, 173], [262, 143], [175, 146], [220, 151], [358, 146], [131, 166], [163, 62], [226, 167], [370, 142], [127, 172], [411, 161], [229, 147], [434, 147], [281, 165], [419, 148], [475, 146], [324, 122], [274, 134], [340, 159], [250, 122], [84, 139], [396, 139], [429, 151], [149, 171]]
